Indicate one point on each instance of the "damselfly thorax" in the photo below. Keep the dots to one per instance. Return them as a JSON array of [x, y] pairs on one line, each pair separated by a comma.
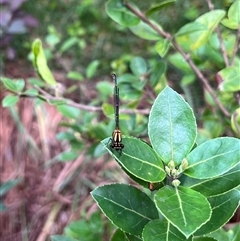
[[117, 140]]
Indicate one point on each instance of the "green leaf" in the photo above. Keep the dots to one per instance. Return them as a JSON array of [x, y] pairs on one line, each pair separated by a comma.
[[223, 207], [204, 25], [233, 20], [235, 121], [62, 238], [20, 83], [186, 209], [204, 239], [31, 92], [68, 155], [10, 100], [144, 31], [213, 158], [7, 186], [180, 63], [91, 68], [172, 126], [74, 75], [162, 47], [158, 7], [138, 66], [217, 185], [69, 111], [119, 235], [40, 63], [219, 235], [230, 79], [9, 84], [162, 230], [120, 14], [68, 44], [126, 206], [157, 71], [139, 159]]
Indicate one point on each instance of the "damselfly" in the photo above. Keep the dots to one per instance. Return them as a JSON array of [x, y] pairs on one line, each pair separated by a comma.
[[116, 141]]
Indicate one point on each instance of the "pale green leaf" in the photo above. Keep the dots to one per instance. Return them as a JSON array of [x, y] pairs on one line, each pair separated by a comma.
[[40, 62], [10, 100]]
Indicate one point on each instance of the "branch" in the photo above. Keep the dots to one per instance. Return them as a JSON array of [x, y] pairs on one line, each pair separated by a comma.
[[87, 107], [222, 46], [236, 47], [187, 58]]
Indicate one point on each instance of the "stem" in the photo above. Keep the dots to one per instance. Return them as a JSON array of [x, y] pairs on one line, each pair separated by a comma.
[[199, 74], [222, 46]]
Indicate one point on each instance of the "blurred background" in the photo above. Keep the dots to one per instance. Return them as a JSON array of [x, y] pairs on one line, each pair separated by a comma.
[[51, 157]]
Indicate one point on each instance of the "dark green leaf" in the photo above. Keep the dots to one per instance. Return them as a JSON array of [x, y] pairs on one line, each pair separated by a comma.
[[139, 159], [126, 206], [172, 126], [138, 66], [213, 158], [10, 100], [220, 235], [186, 209], [119, 13], [217, 185], [119, 235], [158, 7], [223, 207], [162, 230]]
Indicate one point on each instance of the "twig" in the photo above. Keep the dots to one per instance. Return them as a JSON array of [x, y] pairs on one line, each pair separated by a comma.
[[181, 51], [222, 46], [236, 47], [87, 107]]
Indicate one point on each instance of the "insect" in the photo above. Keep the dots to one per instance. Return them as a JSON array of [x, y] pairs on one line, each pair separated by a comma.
[[116, 140]]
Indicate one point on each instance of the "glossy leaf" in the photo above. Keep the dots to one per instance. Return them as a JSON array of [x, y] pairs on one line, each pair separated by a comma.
[[181, 206], [10, 100], [158, 7], [162, 47], [138, 66], [172, 126], [139, 159], [213, 158], [120, 14], [230, 79], [126, 206], [40, 63], [144, 31], [119, 235], [162, 230], [223, 207], [217, 185]]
